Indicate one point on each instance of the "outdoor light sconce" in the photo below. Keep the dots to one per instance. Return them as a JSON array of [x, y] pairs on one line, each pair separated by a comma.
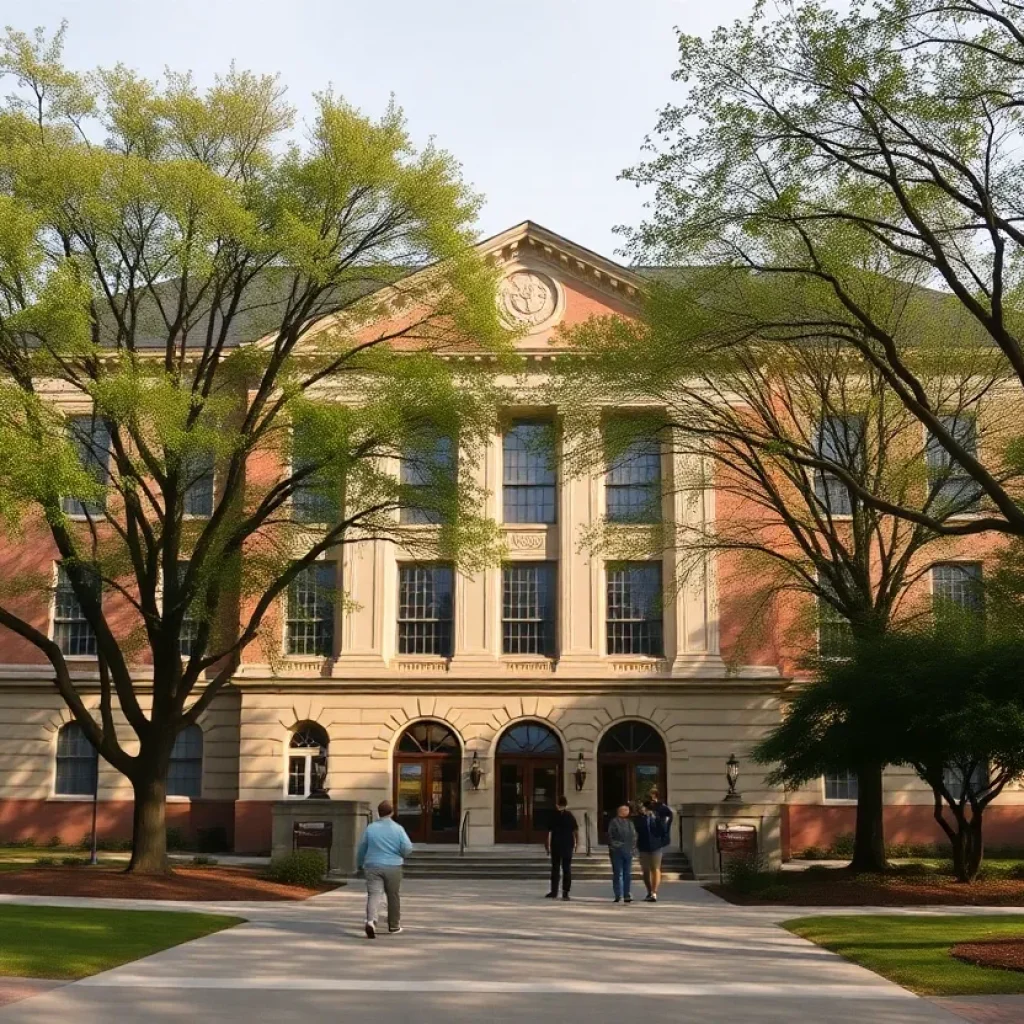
[[580, 773], [732, 773], [476, 773]]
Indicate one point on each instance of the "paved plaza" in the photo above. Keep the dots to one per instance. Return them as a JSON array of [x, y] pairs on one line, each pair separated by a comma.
[[494, 952]]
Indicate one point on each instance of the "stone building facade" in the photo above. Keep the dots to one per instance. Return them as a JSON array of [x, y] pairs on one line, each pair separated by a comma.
[[473, 700]]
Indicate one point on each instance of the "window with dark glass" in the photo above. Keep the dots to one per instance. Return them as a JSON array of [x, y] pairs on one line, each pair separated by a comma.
[[189, 624], [90, 435], [425, 609], [635, 608], [309, 628], [839, 439], [953, 780], [198, 472], [633, 484], [952, 488], [956, 586], [528, 608], [77, 762], [313, 498], [528, 477], [427, 472], [841, 786], [835, 636], [71, 629], [185, 769]]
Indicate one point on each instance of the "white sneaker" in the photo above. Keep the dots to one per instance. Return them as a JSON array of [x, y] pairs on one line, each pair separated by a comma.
[[396, 931], [371, 931]]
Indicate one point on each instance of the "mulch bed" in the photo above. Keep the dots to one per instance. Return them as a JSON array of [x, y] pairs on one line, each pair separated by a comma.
[[846, 890], [1005, 953], [186, 883]]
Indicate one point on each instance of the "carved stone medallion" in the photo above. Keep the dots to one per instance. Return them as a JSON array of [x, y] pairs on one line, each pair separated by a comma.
[[528, 298]]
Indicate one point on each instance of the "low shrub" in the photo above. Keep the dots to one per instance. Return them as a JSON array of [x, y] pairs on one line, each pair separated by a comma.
[[175, 838], [302, 867], [53, 842], [842, 846], [71, 862], [212, 840], [45, 862], [19, 844], [815, 853], [915, 869], [750, 875]]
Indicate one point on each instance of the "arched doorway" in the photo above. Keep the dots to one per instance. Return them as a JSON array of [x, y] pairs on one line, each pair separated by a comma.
[[630, 763], [528, 767], [428, 790]]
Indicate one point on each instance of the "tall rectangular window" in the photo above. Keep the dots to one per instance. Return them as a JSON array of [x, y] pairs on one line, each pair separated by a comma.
[[189, 625], [957, 585], [633, 484], [835, 637], [635, 609], [425, 609], [528, 477], [90, 434], [71, 630], [313, 499], [77, 762], [528, 608], [952, 489], [841, 786], [309, 628], [427, 473], [198, 483], [839, 439]]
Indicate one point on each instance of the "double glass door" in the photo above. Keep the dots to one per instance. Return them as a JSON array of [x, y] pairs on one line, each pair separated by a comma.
[[627, 782], [527, 790], [427, 798]]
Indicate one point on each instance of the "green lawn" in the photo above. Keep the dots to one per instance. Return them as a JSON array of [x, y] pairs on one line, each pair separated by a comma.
[[73, 942], [914, 951]]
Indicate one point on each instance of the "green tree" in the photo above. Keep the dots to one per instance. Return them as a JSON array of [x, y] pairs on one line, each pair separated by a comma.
[[865, 164], [219, 299], [944, 702], [731, 417]]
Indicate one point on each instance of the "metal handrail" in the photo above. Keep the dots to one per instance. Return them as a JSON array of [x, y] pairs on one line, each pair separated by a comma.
[[586, 830], [464, 834]]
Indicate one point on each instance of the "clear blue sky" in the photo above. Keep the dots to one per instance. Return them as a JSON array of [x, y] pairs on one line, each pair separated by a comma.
[[543, 101]]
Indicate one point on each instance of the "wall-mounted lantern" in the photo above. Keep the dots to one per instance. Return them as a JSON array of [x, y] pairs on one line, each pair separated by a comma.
[[476, 773], [732, 773], [580, 773]]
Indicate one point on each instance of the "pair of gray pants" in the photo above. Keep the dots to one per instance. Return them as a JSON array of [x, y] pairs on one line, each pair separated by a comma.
[[380, 882]]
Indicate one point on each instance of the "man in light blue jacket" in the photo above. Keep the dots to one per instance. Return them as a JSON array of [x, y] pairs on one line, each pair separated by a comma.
[[382, 852]]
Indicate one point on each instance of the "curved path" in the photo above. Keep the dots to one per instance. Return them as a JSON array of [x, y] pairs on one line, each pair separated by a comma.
[[493, 952]]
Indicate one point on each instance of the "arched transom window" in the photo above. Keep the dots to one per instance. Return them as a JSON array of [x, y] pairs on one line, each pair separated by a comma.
[[307, 759], [530, 738]]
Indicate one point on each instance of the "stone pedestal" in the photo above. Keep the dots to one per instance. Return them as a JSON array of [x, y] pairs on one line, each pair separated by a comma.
[[347, 817], [699, 822]]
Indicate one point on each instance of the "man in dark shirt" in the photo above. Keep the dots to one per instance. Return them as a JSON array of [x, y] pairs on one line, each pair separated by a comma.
[[561, 845]]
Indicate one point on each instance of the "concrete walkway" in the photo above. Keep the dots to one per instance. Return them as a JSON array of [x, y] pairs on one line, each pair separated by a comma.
[[495, 952]]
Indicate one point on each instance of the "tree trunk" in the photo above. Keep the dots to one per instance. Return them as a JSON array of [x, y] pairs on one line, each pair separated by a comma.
[[149, 827], [959, 845], [975, 847], [869, 835]]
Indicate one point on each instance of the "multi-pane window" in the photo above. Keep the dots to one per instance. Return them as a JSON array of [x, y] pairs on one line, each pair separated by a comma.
[[953, 779], [841, 786], [528, 608], [839, 439], [313, 499], [957, 585], [76, 762], [90, 435], [185, 770], [198, 472], [189, 625], [633, 484], [528, 478], [952, 488], [835, 636], [307, 760], [71, 629], [309, 628], [635, 608], [427, 472], [425, 609]]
